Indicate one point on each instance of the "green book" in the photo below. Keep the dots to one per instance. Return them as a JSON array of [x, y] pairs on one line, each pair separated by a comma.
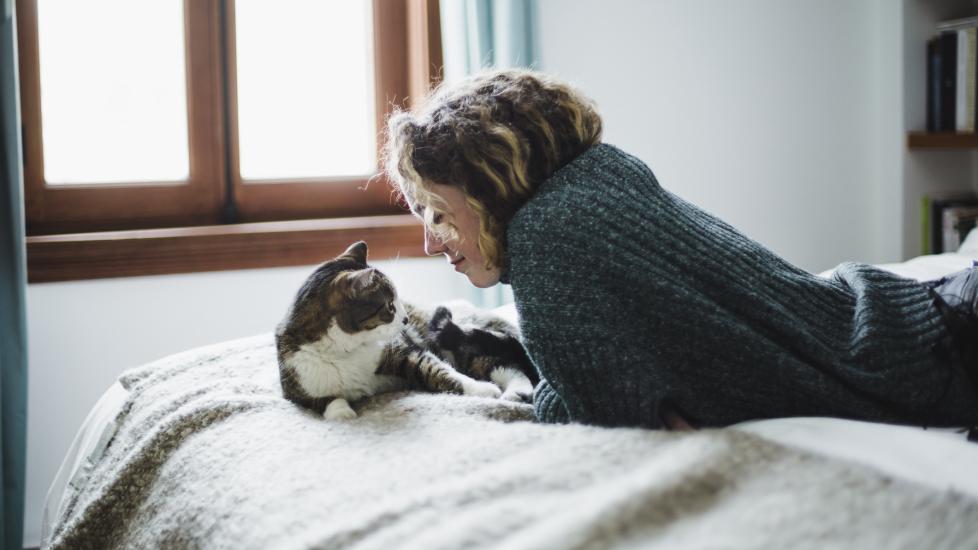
[[925, 225]]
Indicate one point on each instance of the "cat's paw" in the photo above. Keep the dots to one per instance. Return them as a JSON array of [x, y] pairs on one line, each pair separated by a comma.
[[481, 389], [339, 409], [518, 395]]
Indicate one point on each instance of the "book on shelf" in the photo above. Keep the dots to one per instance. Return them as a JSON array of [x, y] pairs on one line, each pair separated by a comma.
[[964, 93], [957, 222], [952, 77], [946, 219], [933, 84]]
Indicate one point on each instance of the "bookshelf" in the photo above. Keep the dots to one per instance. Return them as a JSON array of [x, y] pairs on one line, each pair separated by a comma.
[[931, 164], [925, 140]]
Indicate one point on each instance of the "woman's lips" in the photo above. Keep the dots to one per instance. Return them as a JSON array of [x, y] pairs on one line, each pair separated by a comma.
[[457, 263]]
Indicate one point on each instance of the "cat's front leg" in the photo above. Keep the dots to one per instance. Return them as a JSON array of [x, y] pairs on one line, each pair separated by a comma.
[[339, 409], [479, 388], [423, 369], [441, 376]]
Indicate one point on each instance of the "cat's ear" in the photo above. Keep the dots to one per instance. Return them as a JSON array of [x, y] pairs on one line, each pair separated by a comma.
[[357, 252], [363, 279]]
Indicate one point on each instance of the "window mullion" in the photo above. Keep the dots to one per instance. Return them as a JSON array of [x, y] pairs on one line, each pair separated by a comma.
[[229, 210]]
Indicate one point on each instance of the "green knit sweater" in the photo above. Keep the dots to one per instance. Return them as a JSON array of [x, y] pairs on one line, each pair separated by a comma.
[[629, 296]]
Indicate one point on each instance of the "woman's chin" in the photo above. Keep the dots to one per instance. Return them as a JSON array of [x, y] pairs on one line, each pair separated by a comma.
[[483, 278]]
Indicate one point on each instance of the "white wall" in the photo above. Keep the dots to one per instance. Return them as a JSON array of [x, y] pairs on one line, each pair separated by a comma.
[[760, 111], [888, 136], [83, 334]]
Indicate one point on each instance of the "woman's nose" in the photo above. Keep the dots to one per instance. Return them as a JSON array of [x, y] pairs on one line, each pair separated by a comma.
[[432, 244]]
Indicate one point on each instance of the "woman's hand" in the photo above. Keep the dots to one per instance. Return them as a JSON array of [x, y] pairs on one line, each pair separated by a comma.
[[672, 420]]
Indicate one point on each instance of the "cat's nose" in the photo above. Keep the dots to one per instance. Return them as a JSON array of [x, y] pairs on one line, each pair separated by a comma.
[[405, 320]]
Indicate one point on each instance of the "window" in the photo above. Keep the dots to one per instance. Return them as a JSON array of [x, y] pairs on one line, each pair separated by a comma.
[[219, 113]]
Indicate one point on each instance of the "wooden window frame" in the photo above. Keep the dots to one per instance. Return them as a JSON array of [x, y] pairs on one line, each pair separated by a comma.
[[80, 232], [73, 208], [270, 199]]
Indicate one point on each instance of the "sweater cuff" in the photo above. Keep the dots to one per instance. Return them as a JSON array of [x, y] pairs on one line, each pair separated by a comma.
[[547, 405]]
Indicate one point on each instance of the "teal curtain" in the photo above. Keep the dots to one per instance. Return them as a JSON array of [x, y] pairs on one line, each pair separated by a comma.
[[487, 34], [481, 34], [13, 283]]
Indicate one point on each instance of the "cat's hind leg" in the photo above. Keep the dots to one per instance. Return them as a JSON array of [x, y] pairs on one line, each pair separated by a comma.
[[516, 386]]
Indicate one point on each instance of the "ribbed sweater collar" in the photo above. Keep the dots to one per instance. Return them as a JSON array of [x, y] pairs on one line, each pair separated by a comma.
[[569, 172]]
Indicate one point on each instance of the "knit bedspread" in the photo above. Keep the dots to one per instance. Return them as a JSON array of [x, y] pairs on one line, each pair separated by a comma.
[[208, 454]]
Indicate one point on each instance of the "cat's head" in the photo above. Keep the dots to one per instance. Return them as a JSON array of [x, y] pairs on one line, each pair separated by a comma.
[[348, 292]]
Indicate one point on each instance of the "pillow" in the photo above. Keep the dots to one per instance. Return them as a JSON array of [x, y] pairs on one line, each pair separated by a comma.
[[970, 245]]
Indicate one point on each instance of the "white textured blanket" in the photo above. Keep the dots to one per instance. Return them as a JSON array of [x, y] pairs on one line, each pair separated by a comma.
[[209, 455]]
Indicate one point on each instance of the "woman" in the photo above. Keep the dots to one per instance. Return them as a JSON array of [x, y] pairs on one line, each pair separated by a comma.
[[638, 308]]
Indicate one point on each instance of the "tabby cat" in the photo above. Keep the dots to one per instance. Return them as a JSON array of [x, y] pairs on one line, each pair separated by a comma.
[[347, 336]]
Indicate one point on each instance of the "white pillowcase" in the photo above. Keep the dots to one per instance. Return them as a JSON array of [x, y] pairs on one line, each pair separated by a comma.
[[970, 245]]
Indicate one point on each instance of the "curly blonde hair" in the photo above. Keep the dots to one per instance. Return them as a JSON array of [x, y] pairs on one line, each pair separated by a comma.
[[497, 136]]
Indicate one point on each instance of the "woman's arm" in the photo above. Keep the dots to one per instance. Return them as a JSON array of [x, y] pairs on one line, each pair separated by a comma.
[[547, 405], [587, 327]]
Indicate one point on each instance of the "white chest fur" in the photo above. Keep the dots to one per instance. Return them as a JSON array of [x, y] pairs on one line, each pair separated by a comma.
[[345, 365]]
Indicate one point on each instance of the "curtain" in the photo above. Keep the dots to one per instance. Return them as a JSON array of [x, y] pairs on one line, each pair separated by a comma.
[[13, 283], [479, 34]]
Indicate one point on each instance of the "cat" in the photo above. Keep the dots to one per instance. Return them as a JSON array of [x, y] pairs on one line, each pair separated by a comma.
[[348, 336]]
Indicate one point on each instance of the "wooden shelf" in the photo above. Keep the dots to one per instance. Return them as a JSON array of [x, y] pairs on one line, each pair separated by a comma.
[[925, 140]]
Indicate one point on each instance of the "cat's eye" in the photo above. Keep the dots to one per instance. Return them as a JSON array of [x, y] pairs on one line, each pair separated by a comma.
[[373, 310], [437, 218]]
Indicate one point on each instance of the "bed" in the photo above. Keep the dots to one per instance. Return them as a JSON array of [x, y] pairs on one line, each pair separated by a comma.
[[199, 450]]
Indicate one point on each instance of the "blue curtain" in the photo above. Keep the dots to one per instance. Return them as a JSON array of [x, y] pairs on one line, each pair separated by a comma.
[[13, 283], [480, 34]]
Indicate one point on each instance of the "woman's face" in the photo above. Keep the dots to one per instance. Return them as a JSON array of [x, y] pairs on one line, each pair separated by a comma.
[[463, 252]]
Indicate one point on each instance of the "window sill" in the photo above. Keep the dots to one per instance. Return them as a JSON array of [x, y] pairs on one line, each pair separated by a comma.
[[216, 248]]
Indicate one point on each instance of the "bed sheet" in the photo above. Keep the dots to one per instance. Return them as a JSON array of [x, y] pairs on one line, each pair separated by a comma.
[[91, 439], [938, 458]]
